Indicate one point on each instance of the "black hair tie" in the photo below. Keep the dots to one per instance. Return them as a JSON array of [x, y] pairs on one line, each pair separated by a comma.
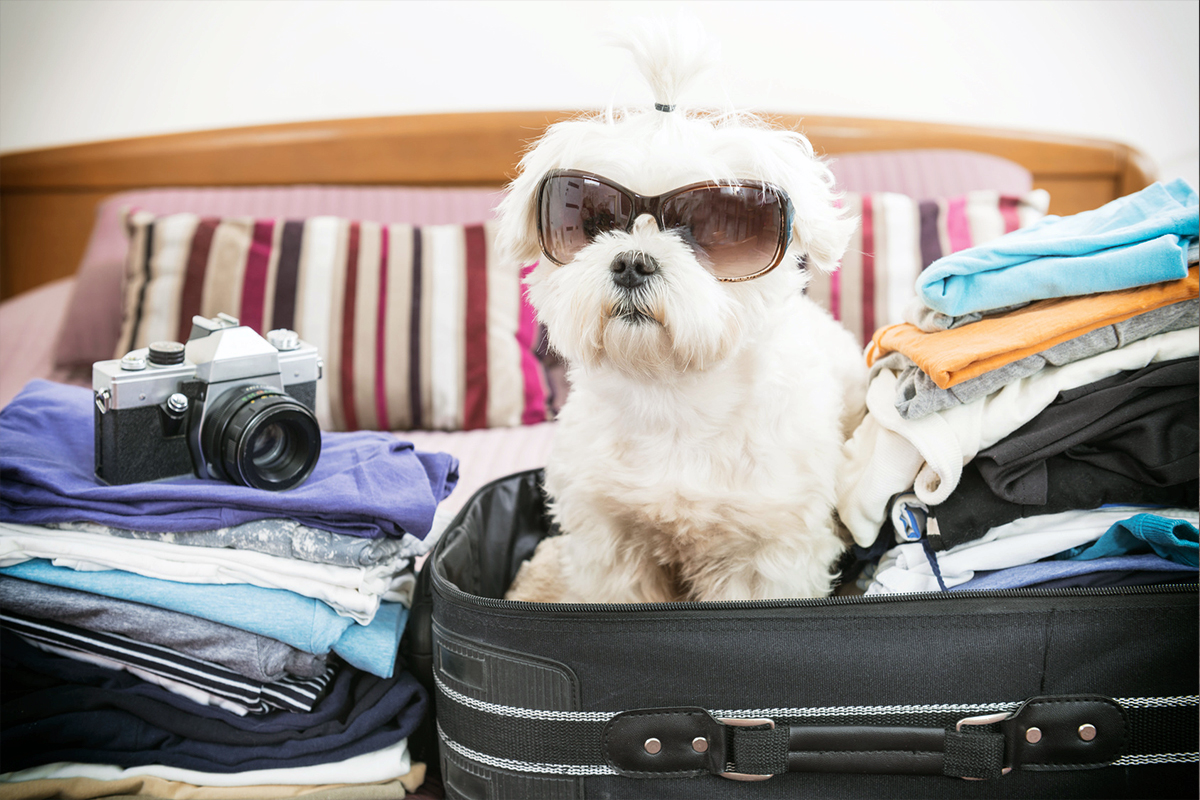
[[663, 107]]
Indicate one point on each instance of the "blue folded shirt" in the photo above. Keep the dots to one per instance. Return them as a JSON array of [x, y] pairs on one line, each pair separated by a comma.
[[302, 622], [1175, 539], [1133, 241], [365, 483]]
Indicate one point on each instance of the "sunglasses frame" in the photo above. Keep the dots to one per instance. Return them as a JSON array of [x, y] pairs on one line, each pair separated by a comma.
[[652, 204]]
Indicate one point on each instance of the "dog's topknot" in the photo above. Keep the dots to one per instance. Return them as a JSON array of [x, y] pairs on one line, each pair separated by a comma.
[[670, 54]]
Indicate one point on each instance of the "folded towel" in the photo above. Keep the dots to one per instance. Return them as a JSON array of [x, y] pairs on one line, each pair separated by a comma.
[[1132, 241]]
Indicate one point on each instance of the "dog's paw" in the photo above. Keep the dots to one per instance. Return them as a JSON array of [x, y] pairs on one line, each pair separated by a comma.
[[540, 579]]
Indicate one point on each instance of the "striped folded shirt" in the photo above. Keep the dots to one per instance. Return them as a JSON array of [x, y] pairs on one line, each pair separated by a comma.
[[171, 669]]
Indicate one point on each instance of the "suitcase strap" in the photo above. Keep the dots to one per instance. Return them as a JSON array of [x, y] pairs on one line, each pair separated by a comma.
[[1042, 733]]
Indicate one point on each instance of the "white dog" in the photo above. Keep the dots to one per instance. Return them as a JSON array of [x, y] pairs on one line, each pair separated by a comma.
[[697, 453]]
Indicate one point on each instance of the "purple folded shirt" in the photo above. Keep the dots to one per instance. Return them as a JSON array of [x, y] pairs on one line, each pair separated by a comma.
[[366, 483]]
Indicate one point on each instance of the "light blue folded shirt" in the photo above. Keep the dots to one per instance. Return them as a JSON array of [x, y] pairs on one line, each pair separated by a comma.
[[302, 622], [1133, 241]]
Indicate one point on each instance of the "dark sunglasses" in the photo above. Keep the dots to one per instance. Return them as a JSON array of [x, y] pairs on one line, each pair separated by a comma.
[[740, 229]]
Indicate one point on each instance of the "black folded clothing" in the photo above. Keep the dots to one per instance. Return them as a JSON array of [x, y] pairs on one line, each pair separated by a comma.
[[1141, 424]]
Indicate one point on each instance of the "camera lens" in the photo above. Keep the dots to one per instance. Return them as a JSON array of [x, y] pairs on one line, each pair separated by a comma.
[[261, 437], [268, 445]]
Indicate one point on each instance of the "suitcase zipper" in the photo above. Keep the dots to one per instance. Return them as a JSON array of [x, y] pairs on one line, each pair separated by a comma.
[[453, 592]]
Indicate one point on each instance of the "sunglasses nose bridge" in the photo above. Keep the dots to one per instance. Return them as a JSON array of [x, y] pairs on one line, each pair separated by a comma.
[[645, 222]]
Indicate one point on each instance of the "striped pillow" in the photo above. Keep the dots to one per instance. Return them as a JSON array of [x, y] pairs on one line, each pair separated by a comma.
[[899, 237], [419, 327]]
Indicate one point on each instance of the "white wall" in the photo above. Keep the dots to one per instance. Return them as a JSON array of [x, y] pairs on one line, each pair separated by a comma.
[[83, 70]]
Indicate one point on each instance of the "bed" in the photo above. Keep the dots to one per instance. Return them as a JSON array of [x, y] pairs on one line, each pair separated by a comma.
[[63, 248], [481, 385]]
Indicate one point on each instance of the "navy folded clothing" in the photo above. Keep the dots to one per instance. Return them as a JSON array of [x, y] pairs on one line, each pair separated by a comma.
[[59, 709], [365, 483]]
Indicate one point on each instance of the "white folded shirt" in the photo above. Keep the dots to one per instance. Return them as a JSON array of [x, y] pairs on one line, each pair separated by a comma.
[[906, 568], [388, 763], [353, 592]]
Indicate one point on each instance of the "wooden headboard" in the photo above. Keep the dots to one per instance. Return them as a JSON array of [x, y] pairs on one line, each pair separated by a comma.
[[48, 197]]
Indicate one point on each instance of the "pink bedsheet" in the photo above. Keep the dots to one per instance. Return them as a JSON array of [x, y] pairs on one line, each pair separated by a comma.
[[29, 326]]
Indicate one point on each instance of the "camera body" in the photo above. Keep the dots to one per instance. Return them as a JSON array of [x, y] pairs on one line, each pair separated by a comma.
[[229, 405]]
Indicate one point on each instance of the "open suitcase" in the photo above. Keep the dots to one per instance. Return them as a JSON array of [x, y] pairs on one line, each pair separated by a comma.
[[1018, 693]]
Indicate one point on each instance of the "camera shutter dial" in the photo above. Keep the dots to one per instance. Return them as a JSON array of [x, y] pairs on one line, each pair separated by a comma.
[[165, 354]]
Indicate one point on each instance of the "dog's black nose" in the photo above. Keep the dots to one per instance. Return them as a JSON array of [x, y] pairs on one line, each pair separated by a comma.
[[630, 269]]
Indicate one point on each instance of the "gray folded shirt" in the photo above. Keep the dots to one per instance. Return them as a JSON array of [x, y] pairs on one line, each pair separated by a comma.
[[278, 537], [258, 657], [918, 396]]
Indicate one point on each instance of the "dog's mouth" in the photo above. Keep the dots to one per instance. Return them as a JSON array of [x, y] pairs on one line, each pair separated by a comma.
[[632, 312], [632, 316]]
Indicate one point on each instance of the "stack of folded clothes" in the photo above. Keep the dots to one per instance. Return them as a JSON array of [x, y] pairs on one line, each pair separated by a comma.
[[1034, 420], [189, 637]]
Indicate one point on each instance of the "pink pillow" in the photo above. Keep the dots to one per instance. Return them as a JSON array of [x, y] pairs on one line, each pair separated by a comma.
[[898, 236], [418, 326], [92, 324], [929, 173]]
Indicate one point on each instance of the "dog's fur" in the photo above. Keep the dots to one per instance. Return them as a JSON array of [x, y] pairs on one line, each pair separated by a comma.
[[697, 453]]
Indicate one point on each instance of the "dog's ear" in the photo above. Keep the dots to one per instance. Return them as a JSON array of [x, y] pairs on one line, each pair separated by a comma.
[[516, 231], [821, 228], [822, 234]]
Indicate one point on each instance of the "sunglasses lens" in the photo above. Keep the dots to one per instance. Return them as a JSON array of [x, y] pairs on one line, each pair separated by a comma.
[[738, 228], [575, 210]]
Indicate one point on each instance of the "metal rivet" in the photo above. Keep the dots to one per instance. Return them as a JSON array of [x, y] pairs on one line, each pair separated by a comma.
[[652, 746], [1033, 735], [700, 744], [1087, 732]]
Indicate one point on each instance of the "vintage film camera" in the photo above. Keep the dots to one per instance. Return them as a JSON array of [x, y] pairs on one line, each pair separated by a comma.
[[229, 405]]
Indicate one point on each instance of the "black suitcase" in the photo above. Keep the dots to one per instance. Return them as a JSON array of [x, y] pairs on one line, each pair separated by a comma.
[[1018, 693]]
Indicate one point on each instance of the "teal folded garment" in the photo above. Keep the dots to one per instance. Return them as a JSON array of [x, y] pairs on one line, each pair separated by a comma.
[[1174, 539], [302, 622], [1133, 241]]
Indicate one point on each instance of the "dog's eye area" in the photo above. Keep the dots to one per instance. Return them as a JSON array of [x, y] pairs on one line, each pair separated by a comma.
[[739, 227], [596, 221]]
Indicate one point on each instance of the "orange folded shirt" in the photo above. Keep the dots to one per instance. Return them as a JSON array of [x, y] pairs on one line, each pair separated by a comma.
[[953, 356]]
